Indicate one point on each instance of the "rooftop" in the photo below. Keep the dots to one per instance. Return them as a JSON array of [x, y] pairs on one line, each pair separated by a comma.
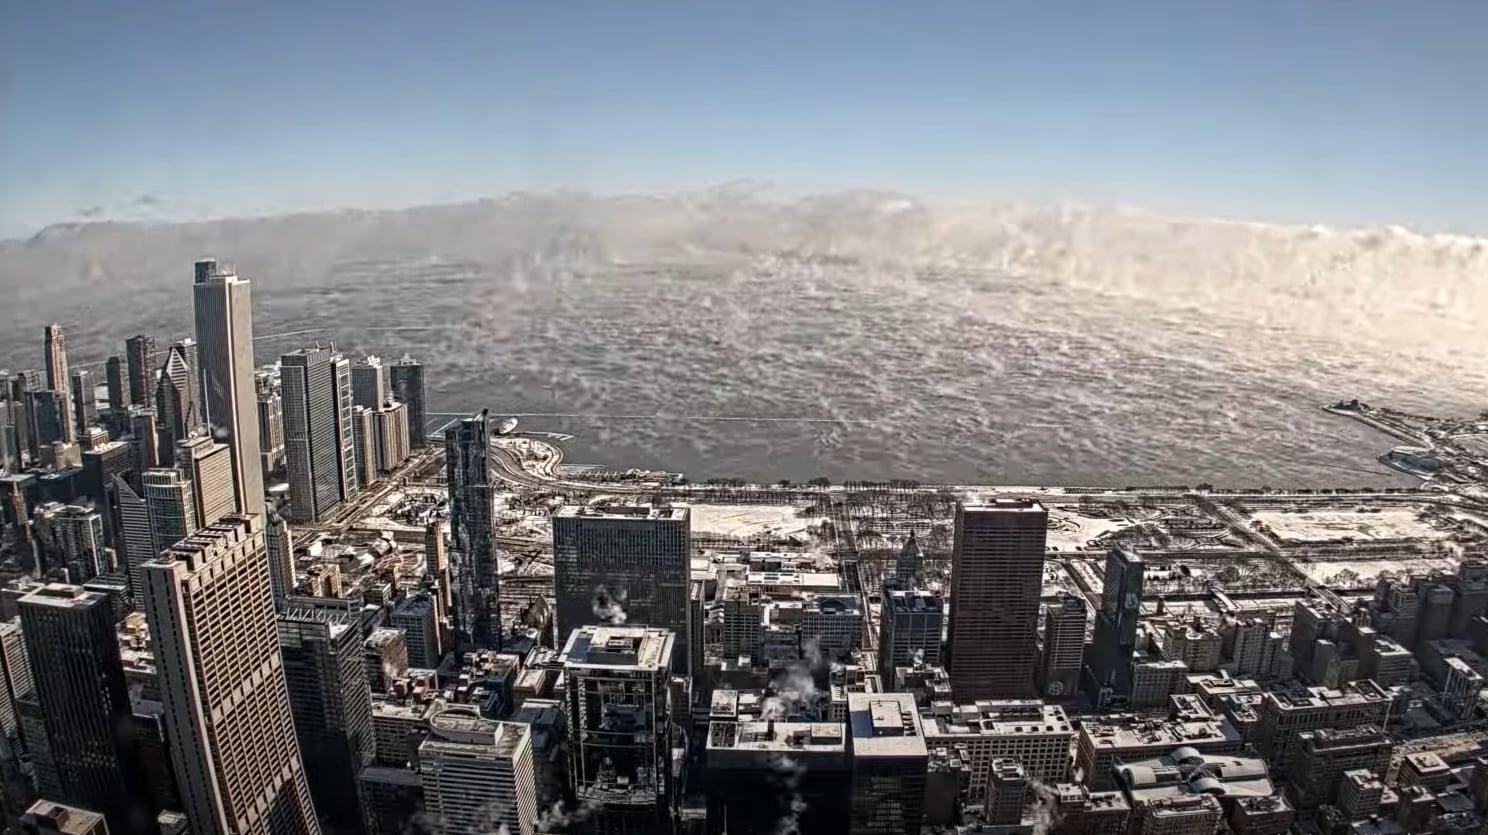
[[1157, 734], [996, 718], [632, 513], [824, 737], [885, 725], [63, 596], [619, 646]]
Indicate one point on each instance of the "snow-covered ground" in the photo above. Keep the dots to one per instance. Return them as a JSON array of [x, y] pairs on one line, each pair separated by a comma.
[[749, 521], [1319, 525], [1071, 531], [1366, 570]]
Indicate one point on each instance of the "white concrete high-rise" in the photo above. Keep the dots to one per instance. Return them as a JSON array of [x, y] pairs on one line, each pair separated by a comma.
[[224, 334], [478, 774], [222, 681]]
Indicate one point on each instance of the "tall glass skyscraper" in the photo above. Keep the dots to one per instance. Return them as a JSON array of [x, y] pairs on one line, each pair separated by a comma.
[[224, 335], [467, 448], [997, 569]]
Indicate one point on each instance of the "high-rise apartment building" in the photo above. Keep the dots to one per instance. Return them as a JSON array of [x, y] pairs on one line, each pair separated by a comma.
[[626, 565], [365, 438], [57, 379], [1064, 647], [478, 775], [407, 377], [390, 431], [222, 681], [114, 383], [618, 710], [84, 400], [889, 764], [73, 539], [139, 355], [224, 334], [79, 682], [368, 383], [319, 447], [332, 706], [909, 629], [467, 447], [997, 566], [208, 465], [279, 543]]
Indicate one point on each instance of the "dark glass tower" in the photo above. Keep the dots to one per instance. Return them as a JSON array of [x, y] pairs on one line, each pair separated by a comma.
[[467, 448]]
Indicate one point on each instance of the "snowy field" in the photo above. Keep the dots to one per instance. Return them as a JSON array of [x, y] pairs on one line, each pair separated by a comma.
[[1366, 570], [1070, 531], [746, 521], [1317, 526]]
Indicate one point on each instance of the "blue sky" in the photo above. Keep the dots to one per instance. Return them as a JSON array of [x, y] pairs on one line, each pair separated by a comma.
[[1339, 111]]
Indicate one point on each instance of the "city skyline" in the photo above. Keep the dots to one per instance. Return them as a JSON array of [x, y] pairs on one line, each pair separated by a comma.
[[1302, 113]]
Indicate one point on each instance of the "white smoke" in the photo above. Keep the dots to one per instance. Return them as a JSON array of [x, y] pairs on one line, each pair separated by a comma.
[[557, 819], [609, 606], [1045, 808], [917, 656], [790, 773], [794, 692]]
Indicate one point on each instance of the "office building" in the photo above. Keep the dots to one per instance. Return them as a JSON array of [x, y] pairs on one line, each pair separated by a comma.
[[907, 562], [57, 380], [1063, 655], [910, 625], [368, 383], [332, 705], [889, 764], [407, 376], [617, 706], [1286, 715], [136, 538], [761, 772], [73, 539], [416, 616], [1100, 745], [48, 817], [16, 686], [208, 466], [467, 446], [229, 718], [364, 438], [1035, 734], [623, 565], [477, 774], [1116, 626], [1322, 757], [270, 422], [172, 505], [177, 401], [139, 356], [79, 681], [114, 383], [1079, 811], [279, 543], [385, 655], [84, 400], [831, 622], [224, 334], [390, 429], [319, 447], [1007, 784], [50, 419], [144, 441], [997, 566]]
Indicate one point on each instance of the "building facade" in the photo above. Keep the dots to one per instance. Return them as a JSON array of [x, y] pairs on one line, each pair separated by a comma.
[[997, 567], [223, 305], [467, 447]]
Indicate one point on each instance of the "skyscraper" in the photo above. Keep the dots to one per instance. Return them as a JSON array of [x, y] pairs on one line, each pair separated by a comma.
[[222, 681], [136, 538], [909, 630], [1116, 623], [417, 616], [280, 545], [208, 465], [139, 356], [889, 764], [74, 540], [390, 430], [319, 443], [623, 565], [1064, 647], [224, 334], [332, 704], [177, 401], [56, 377], [997, 567], [144, 439], [113, 379], [365, 434], [408, 388], [270, 422], [618, 710], [368, 383], [84, 400], [79, 680], [172, 505], [478, 775], [467, 447]]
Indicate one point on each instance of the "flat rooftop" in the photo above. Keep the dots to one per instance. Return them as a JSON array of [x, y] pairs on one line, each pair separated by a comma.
[[1155, 733], [629, 513], [63, 596], [885, 725], [993, 718], [781, 737], [1002, 504], [638, 647]]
